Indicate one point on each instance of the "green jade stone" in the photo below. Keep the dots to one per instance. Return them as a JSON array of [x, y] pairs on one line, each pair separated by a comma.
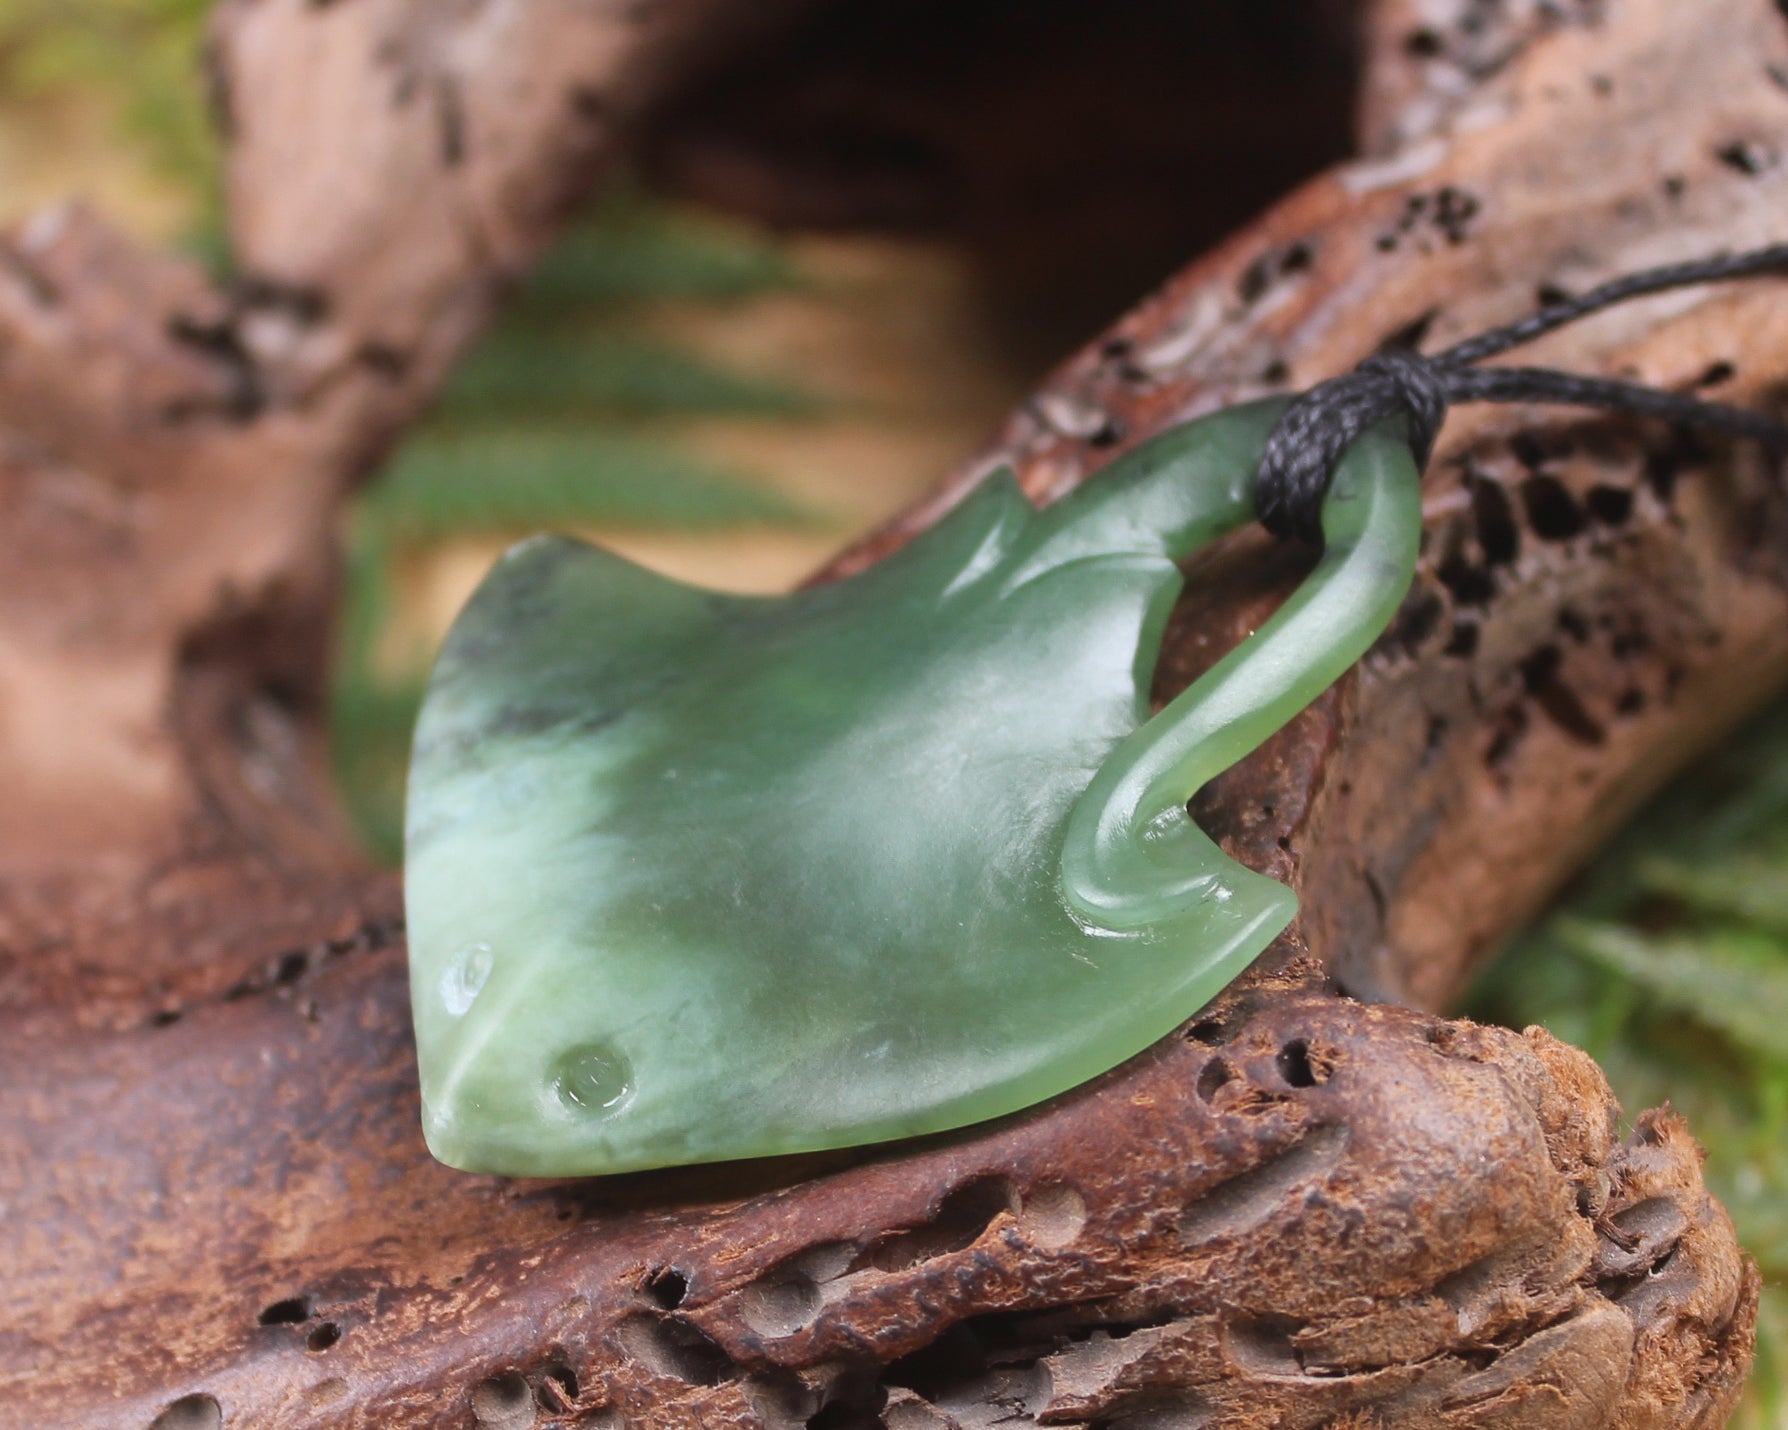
[[695, 876]]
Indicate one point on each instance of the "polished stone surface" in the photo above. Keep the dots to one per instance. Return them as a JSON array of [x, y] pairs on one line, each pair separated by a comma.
[[694, 876]]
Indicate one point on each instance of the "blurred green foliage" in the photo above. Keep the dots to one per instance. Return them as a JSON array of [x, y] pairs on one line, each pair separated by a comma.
[[504, 476], [1669, 965], [142, 56], [642, 252], [536, 371], [563, 417]]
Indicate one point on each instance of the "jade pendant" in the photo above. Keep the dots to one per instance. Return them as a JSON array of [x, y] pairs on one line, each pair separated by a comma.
[[694, 876]]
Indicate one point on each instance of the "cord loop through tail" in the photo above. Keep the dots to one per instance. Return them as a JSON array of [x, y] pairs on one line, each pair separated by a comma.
[[1301, 454]]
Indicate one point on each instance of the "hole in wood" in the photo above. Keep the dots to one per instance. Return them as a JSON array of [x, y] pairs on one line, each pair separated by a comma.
[[503, 1402], [780, 1304], [1236, 1207], [1296, 1067], [190, 1412], [962, 1219], [667, 1287], [672, 1347], [1212, 1076], [1052, 1215], [290, 1312]]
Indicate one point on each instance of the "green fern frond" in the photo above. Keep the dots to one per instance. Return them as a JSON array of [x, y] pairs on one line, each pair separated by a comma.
[[498, 479], [632, 250], [1733, 978], [1748, 888], [517, 447], [371, 714], [371, 722], [529, 370]]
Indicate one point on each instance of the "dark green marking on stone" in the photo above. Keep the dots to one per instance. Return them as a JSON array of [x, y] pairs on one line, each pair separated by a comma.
[[695, 876]]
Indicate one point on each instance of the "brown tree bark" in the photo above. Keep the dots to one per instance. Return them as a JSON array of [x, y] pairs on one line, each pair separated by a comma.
[[1305, 1210]]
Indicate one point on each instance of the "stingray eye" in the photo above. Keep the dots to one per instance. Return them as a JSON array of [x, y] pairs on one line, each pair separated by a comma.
[[464, 978], [592, 1079]]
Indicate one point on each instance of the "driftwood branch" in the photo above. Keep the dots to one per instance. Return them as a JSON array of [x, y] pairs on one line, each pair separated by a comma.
[[1303, 1210]]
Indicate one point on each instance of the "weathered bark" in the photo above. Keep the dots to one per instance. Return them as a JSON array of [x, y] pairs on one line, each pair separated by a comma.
[[177, 456], [1303, 1211]]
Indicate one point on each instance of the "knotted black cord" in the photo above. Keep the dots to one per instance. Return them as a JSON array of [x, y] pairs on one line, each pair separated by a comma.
[[1319, 425]]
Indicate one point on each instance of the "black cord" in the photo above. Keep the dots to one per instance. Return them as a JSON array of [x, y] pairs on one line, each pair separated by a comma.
[[1318, 427]]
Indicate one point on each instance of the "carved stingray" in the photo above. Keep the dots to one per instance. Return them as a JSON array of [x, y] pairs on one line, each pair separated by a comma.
[[695, 876]]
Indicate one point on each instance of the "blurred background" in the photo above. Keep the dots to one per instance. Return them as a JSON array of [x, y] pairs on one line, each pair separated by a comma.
[[731, 401]]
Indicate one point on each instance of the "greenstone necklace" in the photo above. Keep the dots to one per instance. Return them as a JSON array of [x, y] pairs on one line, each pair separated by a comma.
[[694, 876]]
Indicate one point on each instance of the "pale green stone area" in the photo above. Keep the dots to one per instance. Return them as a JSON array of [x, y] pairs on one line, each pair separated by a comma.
[[694, 877]]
